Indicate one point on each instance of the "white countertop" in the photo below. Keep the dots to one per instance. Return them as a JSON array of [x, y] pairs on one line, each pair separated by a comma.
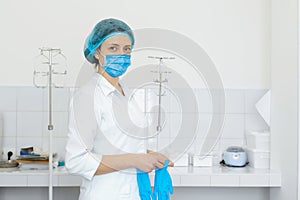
[[181, 177]]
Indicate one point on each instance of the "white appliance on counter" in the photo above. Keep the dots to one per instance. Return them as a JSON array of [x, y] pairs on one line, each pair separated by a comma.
[[258, 149]]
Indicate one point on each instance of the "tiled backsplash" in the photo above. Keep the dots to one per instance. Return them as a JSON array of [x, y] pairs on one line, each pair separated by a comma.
[[25, 118]]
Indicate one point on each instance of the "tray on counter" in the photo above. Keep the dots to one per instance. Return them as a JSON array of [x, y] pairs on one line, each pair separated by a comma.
[[28, 158]]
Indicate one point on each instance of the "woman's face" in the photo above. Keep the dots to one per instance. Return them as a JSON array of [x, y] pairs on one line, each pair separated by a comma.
[[119, 44]]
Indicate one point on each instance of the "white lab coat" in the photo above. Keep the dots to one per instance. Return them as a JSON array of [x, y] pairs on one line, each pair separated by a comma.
[[93, 132]]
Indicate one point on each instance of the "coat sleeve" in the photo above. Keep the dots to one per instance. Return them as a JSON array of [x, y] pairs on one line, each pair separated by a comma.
[[80, 158]]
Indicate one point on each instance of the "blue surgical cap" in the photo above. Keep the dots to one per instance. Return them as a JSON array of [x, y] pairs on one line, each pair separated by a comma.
[[103, 30]]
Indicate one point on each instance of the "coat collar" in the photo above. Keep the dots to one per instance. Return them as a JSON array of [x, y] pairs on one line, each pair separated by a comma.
[[106, 86]]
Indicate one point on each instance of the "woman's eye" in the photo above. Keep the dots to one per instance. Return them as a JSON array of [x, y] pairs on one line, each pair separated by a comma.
[[128, 49], [112, 48]]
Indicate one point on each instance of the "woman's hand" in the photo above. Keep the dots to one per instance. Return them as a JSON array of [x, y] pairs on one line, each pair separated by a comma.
[[170, 164], [150, 161]]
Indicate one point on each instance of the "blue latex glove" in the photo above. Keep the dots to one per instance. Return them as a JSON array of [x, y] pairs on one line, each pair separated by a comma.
[[162, 184], [143, 180]]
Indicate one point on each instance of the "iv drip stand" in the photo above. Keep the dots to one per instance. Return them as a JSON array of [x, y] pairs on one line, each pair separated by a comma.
[[160, 81], [50, 128], [158, 127], [50, 124]]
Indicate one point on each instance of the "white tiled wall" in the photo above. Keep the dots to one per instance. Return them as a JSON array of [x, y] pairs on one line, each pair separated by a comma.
[[25, 118], [8, 100]]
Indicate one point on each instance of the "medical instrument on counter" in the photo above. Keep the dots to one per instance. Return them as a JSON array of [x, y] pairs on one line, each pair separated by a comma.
[[234, 156], [49, 69], [9, 163], [190, 159], [160, 80]]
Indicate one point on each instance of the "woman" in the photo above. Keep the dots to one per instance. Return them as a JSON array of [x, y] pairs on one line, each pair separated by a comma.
[[97, 148]]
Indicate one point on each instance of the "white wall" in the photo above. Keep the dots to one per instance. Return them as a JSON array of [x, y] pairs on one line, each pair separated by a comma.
[[234, 33], [284, 121]]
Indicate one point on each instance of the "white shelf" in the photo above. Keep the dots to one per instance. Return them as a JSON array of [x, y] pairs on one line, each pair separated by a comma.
[[181, 176]]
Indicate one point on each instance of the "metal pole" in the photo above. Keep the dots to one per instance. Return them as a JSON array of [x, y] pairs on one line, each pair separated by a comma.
[[298, 83], [158, 128], [50, 126]]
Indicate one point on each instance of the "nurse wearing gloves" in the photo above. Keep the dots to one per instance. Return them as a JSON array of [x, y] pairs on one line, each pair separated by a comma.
[[98, 148]]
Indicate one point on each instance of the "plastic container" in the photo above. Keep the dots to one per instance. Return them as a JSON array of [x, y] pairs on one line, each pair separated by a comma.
[[258, 158], [258, 140], [183, 161]]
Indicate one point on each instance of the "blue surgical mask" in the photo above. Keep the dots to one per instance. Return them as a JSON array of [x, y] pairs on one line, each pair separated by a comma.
[[116, 64]]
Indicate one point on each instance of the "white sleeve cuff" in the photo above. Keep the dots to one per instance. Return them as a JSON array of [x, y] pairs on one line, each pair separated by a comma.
[[92, 163]]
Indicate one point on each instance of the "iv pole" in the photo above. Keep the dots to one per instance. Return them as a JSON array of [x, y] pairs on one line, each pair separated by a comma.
[[50, 128], [160, 81], [50, 124]]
